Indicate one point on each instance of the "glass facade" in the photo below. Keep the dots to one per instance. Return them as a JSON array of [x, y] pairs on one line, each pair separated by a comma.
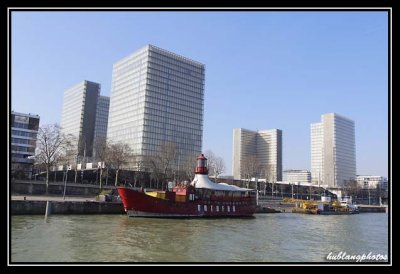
[[266, 145], [333, 153], [72, 112], [317, 159], [24, 129], [157, 98], [103, 105], [84, 115]]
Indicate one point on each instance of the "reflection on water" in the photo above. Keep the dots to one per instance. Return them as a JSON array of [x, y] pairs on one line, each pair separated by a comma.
[[266, 238]]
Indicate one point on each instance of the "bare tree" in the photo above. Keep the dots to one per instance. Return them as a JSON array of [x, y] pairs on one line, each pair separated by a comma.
[[156, 173], [140, 169], [118, 155], [164, 163], [75, 152], [216, 165], [210, 159], [68, 157], [168, 156], [190, 166], [270, 177], [51, 144], [351, 188], [71, 153], [101, 148], [251, 168]]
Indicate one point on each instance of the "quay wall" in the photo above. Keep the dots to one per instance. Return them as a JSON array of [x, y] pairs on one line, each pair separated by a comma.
[[366, 208], [19, 207], [39, 187]]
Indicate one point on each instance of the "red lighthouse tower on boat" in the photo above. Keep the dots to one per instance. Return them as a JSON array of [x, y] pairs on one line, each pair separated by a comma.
[[201, 198], [201, 167]]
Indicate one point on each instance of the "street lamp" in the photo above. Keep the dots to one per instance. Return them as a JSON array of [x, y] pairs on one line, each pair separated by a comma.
[[65, 182], [32, 157], [369, 196], [292, 190], [97, 175]]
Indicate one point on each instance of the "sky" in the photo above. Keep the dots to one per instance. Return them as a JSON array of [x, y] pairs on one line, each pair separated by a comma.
[[264, 69]]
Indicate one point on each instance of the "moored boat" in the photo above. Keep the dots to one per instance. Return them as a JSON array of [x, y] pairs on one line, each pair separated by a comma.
[[200, 198], [324, 207]]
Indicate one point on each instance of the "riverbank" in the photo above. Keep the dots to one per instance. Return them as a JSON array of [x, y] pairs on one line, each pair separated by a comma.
[[21, 205], [264, 209], [31, 205], [36, 204], [19, 187], [65, 207], [372, 208]]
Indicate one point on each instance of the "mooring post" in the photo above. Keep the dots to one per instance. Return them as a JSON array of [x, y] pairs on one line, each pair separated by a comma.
[[48, 208]]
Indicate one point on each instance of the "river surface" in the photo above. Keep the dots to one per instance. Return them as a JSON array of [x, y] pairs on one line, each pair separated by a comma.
[[266, 238]]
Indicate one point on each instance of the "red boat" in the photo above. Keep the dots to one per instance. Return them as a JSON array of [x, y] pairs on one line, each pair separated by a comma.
[[200, 198]]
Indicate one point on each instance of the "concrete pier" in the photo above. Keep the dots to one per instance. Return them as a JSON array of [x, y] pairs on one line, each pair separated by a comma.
[[372, 208], [264, 209]]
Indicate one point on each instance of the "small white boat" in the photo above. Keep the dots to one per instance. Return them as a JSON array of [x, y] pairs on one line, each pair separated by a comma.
[[347, 202]]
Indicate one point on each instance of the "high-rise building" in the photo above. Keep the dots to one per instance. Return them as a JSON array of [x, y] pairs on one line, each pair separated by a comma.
[[333, 151], [157, 98], [24, 129], [293, 175], [317, 155], [84, 115], [265, 146], [100, 129]]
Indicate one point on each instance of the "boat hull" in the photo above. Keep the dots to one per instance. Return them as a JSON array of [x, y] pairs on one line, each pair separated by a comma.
[[139, 204], [320, 212], [338, 212]]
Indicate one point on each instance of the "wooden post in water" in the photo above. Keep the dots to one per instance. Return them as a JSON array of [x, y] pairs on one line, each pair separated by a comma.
[[48, 209]]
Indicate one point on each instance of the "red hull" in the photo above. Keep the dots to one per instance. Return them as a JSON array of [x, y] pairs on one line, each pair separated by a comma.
[[138, 203]]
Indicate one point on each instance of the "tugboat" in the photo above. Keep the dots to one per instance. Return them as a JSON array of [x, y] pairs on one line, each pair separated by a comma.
[[200, 198]]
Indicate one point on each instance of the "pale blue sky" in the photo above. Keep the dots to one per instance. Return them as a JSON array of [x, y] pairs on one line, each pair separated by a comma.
[[263, 69]]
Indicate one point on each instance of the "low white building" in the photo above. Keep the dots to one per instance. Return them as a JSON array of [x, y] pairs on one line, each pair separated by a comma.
[[296, 183], [294, 175], [372, 182]]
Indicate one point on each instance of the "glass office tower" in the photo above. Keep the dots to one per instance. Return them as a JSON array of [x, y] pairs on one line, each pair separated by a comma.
[[157, 98], [333, 151]]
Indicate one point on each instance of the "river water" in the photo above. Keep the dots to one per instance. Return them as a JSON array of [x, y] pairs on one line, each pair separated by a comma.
[[266, 238]]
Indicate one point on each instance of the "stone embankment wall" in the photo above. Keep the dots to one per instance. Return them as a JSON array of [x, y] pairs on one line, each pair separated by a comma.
[[39, 187], [19, 207]]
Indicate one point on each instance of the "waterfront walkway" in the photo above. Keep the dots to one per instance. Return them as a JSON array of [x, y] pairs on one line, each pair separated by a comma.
[[52, 198], [276, 203]]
